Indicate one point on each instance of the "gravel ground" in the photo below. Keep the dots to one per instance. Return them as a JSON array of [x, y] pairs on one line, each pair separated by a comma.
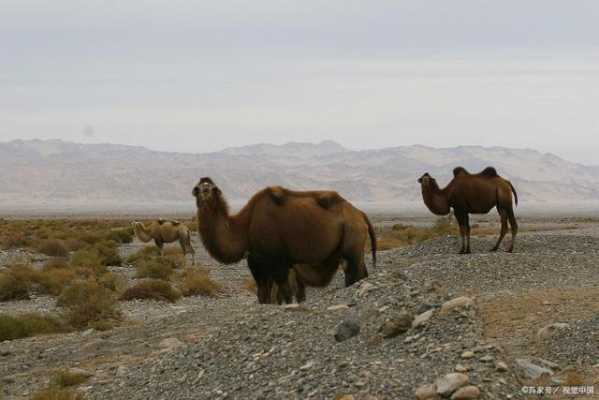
[[231, 347]]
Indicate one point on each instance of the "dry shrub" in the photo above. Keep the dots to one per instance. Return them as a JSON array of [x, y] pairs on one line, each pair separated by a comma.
[[53, 280], [26, 325], [74, 244], [53, 248], [121, 235], [12, 289], [109, 252], [154, 289], [144, 253], [88, 258], [57, 393], [89, 304], [405, 235], [154, 268], [175, 255], [197, 282], [114, 282], [65, 378]]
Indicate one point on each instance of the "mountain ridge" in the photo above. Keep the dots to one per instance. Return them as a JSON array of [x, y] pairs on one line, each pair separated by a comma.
[[71, 174]]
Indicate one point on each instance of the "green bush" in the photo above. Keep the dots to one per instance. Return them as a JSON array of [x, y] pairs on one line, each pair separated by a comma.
[[89, 304], [25, 325]]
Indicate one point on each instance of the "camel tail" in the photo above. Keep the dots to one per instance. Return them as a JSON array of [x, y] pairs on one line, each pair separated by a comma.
[[514, 191], [372, 239]]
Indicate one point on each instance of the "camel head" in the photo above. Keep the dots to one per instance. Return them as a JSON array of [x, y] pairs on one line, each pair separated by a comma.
[[205, 191], [425, 179]]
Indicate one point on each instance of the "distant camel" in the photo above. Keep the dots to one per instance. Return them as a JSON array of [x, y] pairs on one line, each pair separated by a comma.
[[472, 194], [165, 231], [278, 229]]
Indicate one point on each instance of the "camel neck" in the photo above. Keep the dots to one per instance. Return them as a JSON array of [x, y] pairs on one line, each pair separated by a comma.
[[223, 235], [142, 232], [436, 199]]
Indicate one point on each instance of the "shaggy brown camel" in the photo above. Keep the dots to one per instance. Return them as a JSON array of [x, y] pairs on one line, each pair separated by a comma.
[[276, 235], [472, 194], [165, 231]]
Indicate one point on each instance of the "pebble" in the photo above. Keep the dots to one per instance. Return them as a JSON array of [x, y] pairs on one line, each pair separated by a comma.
[[458, 302], [422, 319], [425, 392], [501, 366], [396, 326], [467, 354], [550, 330], [528, 370], [346, 330], [449, 383], [466, 393]]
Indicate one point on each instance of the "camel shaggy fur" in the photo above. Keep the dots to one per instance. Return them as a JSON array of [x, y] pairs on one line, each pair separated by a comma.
[[165, 231], [472, 194], [278, 229]]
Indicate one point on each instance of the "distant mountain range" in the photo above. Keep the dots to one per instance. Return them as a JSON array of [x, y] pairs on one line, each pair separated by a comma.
[[58, 175]]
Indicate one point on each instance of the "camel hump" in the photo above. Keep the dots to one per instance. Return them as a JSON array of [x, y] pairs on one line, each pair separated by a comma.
[[277, 194], [490, 172], [457, 171], [328, 199]]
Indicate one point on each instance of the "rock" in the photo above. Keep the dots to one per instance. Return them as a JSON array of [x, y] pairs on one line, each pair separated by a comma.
[[449, 383], [550, 330], [365, 287], [338, 307], [170, 344], [307, 366], [487, 358], [294, 307], [458, 302], [501, 366], [345, 397], [466, 393], [467, 354], [528, 370], [396, 326], [460, 368], [425, 392], [346, 330], [80, 372], [122, 371], [422, 319]]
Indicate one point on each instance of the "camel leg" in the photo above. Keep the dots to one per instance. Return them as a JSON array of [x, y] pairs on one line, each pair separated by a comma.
[[460, 217], [467, 226], [263, 283], [160, 245], [300, 295], [503, 215], [186, 247], [514, 226], [281, 278]]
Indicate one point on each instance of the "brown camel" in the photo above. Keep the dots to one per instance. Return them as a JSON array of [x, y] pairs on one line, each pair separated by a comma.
[[472, 194], [165, 231], [278, 229]]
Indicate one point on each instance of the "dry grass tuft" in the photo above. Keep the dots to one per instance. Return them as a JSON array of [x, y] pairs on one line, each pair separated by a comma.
[[12, 288], [198, 282], [406, 235], [57, 393], [88, 304], [154, 268], [153, 289], [53, 248], [26, 325], [66, 378], [146, 252]]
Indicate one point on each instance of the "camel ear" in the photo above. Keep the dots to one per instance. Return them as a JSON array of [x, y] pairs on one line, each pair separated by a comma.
[[195, 191]]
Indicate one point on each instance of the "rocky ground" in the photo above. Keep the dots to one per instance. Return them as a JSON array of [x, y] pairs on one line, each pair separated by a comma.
[[485, 325]]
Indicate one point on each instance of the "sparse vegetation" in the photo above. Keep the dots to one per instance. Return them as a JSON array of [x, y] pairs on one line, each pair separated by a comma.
[[26, 325], [53, 248], [89, 304], [57, 393], [198, 282], [154, 268], [405, 235], [153, 289], [67, 378], [12, 288]]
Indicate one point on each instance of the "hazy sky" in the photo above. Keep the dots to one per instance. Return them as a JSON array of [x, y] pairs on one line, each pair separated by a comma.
[[202, 75]]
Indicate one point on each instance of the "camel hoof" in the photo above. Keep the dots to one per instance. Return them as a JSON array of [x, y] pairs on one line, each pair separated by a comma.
[[494, 249]]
